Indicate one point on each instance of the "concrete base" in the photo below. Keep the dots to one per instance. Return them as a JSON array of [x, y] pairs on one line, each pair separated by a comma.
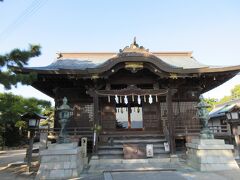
[[60, 161], [210, 155]]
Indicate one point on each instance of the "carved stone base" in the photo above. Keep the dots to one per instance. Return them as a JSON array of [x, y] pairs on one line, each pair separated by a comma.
[[210, 155]]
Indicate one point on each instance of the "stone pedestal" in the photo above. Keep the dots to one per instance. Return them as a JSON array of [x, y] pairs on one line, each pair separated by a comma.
[[210, 155], [60, 161], [43, 140]]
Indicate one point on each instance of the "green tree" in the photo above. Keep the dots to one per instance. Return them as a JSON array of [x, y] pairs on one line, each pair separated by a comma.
[[49, 113], [224, 99], [16, 58], [235, 92], [11, 109], [211, 101]]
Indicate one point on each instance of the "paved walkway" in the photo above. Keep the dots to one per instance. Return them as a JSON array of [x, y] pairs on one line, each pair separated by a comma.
[[11, 156], [155, 175], [144, 171], [173, 175], [154, 170]]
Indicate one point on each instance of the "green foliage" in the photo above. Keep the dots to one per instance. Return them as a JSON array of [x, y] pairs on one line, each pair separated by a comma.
[[1, 135], [13, 106], [224, 99], [49, 112], [11, 109], [235, 92], [17, 58], [210, 101], [21, 124]]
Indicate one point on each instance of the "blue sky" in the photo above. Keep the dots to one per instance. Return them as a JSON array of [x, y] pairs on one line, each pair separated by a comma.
[[211, 29]]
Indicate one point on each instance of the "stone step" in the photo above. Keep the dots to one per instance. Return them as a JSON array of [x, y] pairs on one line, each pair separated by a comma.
[[110, 152], [115, 148], [138, 141], [110, 156], [120, 156], [120, 151], [139, 136], [134, 161], [120, 146], [131, 132]]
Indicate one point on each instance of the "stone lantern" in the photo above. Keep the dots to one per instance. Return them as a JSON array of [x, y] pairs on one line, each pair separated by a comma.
[[61, 160], [206, 153], [203, 116], [32, 120], [64, 113]]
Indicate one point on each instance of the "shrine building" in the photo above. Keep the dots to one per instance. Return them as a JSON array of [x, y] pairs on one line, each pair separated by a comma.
[[131, 97]]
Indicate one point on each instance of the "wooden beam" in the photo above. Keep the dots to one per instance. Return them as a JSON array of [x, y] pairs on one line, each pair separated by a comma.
[[170, 121], [95, 121]]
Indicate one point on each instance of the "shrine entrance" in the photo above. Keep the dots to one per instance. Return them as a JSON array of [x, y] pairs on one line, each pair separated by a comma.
[[129, 117]]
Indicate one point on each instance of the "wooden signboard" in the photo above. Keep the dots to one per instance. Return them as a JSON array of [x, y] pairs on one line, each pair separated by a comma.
[[134, 151]]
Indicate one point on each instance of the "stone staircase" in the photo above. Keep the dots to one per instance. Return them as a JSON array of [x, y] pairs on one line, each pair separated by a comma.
[[114, 148]]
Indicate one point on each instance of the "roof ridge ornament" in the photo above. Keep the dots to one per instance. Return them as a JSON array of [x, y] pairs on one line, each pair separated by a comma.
[[134, 48]]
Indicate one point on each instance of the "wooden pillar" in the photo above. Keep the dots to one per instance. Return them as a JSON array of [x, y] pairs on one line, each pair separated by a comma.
[[129, 116], [170, 122], [95, 122], [29, 150]]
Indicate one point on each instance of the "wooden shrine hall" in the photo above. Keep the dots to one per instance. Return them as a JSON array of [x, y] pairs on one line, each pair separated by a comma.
[[131, 97]]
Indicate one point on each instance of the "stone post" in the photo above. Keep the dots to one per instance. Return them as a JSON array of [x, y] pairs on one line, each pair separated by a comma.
[[43, 138]]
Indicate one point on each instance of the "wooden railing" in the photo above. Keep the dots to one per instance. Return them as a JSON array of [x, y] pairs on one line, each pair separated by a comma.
[[219, 130], [187, 130], [72, 131]]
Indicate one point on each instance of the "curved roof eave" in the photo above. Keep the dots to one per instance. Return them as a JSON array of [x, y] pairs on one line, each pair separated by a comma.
[[129, 57], [104, 69]]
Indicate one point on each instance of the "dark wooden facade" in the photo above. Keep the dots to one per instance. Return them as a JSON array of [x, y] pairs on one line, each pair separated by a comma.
[[132, 72]]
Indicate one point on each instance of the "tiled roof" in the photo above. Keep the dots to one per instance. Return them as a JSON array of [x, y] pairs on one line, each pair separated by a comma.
[[88, 62], [220, 110]]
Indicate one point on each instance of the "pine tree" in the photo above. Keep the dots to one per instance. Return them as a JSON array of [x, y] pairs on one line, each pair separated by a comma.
[[17, 58]]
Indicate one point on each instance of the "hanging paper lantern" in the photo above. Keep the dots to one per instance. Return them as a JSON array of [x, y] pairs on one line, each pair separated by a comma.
[[116, 99], [125, 99], [150, 99], [139, 99], [109, 99], [156, 98]]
